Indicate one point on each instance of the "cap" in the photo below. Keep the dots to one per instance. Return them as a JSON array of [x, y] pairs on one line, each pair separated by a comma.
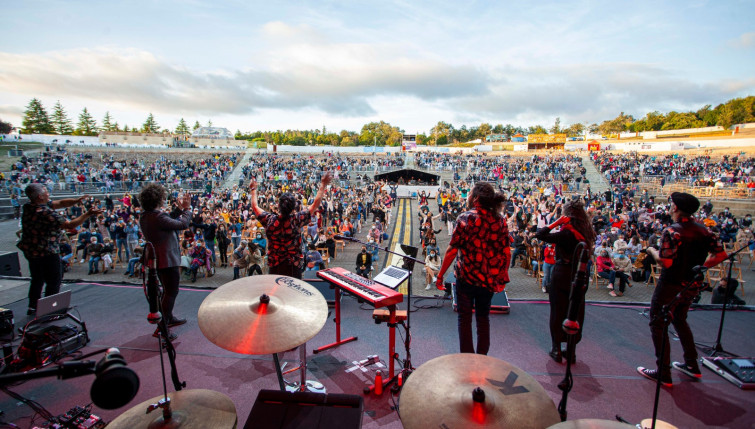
[[685, 202]]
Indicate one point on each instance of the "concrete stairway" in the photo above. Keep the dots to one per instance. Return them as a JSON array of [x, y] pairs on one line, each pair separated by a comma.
[[233, 178], [598, 182]]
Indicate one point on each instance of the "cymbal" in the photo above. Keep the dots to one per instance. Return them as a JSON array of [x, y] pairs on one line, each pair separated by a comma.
[[659, 424], [591, 424], [443, 393], [236, 317], [192, 409]]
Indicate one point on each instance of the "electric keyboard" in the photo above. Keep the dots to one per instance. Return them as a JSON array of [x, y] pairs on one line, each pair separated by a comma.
[[365, 289]]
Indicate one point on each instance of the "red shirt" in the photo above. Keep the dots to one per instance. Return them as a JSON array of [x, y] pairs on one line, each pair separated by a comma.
[[482, 240]]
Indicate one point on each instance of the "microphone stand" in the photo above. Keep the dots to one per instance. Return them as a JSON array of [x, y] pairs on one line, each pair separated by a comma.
[[572, 328], [164, 334], [715, 350], [408, 265]]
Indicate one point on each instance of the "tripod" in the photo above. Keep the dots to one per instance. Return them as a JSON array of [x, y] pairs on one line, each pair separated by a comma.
[[717, 349]]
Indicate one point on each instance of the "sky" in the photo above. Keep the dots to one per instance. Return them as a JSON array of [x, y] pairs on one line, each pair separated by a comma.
[[250, 65]]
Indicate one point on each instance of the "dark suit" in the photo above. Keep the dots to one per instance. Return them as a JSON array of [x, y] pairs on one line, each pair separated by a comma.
[[162, 231]]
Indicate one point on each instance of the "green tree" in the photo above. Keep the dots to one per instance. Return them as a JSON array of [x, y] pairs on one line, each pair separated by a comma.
[[150, 125], [107, 123], [196, 126], [575, 130], [5, 127], [556, 128], [86, 126], [36, 120], [60, 121], [126, 129], [484, 130], [209, 122], [183, 129], [441, 129], [509, 131], [537, 129], [380, 133]]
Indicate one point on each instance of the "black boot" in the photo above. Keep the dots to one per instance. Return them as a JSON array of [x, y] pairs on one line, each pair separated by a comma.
[[555, 353]]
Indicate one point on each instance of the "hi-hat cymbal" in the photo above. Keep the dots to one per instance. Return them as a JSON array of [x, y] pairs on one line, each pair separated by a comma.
[[591, 424], [471, 390], [260, 315], [192, 409]]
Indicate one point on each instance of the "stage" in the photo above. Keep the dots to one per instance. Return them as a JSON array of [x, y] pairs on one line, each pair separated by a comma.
[[616, 340]]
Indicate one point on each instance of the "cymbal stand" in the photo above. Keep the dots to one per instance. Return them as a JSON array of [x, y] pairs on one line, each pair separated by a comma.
[[303, 385]]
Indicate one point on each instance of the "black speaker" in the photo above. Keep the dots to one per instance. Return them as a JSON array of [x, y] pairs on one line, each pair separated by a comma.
[[275, 409], [325, 288], [9, 265]]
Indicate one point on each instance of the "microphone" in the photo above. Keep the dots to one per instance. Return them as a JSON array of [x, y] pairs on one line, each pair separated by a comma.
[[154, 315], [571, 325], [560, 221], [699, 269], [115, 385]]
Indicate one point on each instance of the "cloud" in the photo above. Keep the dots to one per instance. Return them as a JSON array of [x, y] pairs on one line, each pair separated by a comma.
[[139, 79], [7, 109], [744, 41]]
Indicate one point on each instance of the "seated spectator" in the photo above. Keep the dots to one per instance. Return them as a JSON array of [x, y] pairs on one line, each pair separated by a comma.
[[200, 256], [107, 255], [240, 259], [605, 268], [719, 293], [94, 250], [136, 256], [432, 266], [364, 263], [313, 259], [255, 259], [622, 266]]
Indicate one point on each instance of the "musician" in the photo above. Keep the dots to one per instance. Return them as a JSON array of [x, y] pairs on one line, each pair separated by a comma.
[[481, 241], [283, 229], [684, 245], [575, 228], [42, 228], [160, 229]]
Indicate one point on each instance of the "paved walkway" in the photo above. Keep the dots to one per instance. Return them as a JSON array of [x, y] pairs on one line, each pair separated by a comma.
[[598, 182], [233, 178]]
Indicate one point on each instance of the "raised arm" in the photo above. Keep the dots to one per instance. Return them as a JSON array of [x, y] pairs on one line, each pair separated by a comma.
[[320, 192]]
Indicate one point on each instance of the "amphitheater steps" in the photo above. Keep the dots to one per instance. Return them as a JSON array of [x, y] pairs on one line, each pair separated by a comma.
[[598, 182]]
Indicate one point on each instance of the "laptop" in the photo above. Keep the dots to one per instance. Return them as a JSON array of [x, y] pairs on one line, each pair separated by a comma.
[[391, 276], [54, 304]]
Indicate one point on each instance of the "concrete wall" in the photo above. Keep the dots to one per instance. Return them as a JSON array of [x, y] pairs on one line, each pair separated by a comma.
[[51, 139]]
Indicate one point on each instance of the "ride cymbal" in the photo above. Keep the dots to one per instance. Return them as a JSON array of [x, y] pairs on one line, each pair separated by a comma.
[[591, 424], [470, 390], [260, 315], [192, 409]]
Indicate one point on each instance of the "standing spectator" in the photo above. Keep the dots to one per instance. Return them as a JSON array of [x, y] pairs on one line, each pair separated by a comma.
[[432, 266]]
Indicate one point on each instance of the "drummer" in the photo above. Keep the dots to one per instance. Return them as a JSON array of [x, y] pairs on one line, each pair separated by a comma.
[[284, 228]]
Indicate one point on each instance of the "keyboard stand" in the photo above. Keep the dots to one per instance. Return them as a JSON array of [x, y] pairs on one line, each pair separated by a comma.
[[337, 320]]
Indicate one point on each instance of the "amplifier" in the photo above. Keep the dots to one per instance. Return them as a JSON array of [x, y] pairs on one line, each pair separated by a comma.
[[9, 265], [6, 323], [46, 344], [325, 288], [738, 370], [275, 409]]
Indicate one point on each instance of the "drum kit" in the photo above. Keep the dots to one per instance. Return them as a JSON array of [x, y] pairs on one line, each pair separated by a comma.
[[271, 314]]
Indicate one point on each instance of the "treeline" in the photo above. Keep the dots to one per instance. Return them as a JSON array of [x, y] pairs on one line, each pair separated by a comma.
[[739, 110]]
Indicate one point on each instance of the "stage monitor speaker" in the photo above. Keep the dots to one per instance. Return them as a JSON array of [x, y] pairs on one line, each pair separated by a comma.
[[325, 288], [275, 409], [9, 265]]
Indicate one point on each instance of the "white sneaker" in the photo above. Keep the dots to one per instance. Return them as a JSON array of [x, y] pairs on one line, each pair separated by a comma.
[[81, 261], [435, 279], [429, 286]]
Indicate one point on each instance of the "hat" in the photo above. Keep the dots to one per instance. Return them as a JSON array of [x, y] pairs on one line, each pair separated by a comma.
[[685, 202]]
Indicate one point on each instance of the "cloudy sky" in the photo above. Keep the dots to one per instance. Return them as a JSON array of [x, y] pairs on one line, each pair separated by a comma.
[[268, 65]]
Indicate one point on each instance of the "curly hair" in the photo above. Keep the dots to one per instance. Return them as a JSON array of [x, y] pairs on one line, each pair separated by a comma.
[[484, 195], [286, 204], [575, 209], [152, 196]]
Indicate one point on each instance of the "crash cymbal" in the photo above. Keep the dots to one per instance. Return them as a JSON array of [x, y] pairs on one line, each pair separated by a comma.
[[260, 315], [471, 390], [192, 409], [591, 424], [659, 424]]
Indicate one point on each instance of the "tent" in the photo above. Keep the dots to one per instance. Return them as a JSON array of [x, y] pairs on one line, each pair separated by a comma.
[[408, 176]]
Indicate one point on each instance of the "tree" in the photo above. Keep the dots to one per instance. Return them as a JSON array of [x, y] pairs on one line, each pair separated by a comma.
[[86, 126], [380, 133], [196, 126], [60, 121], [126, 129], [537, 129], [556, 128], [107, 123], [5, 127], [509, 131], [209, 122], [441, 129], [36, 120], [575, 130], [150, 125], [183, 129], [484, 130]]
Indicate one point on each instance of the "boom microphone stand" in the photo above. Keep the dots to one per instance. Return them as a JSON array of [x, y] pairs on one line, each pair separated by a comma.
[[717, 349], [409, 258]]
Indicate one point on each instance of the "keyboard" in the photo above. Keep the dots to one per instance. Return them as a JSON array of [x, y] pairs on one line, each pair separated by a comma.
[[365, 289]]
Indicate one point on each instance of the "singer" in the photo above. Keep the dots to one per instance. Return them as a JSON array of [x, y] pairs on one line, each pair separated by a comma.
[[285, 256], [575, 228], [162, 231], [481, 240], [684, 245]]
